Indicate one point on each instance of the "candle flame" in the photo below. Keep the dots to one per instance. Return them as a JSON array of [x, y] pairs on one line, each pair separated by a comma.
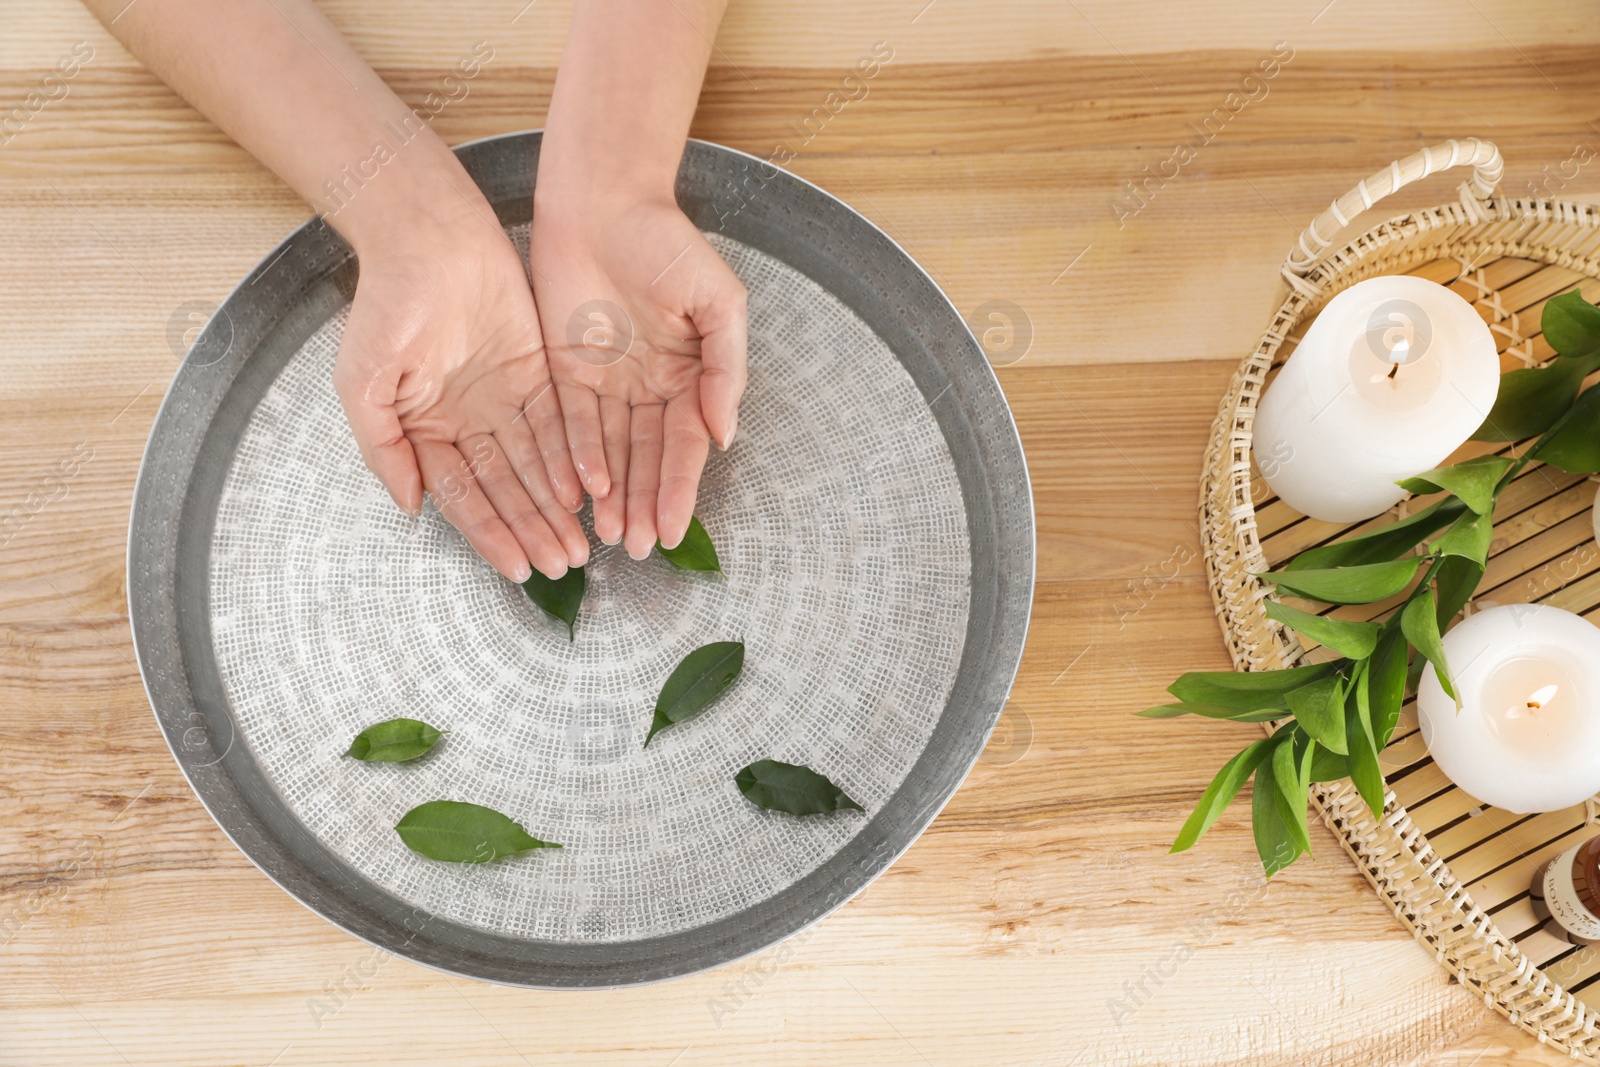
[[1397, 353], [1542, 697]]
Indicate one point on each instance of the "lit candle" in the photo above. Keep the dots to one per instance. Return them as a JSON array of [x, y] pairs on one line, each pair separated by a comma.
[[1527, 735], [1393, 376]]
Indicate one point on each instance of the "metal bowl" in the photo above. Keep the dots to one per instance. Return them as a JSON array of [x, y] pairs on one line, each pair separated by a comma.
[[210, 708]]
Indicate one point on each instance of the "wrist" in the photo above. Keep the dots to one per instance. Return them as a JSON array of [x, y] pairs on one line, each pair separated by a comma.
[[394, 201], [600, 176]]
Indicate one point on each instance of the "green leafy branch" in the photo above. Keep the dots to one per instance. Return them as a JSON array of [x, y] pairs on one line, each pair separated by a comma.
[[1336, 716]]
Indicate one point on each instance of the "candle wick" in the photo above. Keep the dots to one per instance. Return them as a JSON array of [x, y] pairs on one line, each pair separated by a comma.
[[1534, 704], [1394, 370]]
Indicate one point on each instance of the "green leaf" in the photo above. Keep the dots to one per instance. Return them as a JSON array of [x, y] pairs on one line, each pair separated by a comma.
[[558, 598], [1223, 788], [1353, 639], [1468, 538], [1306, 754], [1414, 672], [1386, 686], [1475, 481], [1574, 446], [455, 832], [1167, 711], [1532, 399], [1212, 711], [1319, 709], [1172, 711], [695, 552], [393, 741], [1245, 690], [1456, 581], [1365, 772], [1384, 543], [703, 676], [787, 787], [1276, 842], [1571, 324], [1328, 766], [1420, 622], [1361, 584], [1286, 775]]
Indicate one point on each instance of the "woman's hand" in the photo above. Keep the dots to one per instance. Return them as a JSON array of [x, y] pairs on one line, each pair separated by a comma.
[[442, 369], [442, 374], [644, 321], [644, 324]]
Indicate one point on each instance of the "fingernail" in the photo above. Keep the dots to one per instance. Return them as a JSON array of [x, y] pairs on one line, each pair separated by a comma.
[[733, 425], [524, 572]]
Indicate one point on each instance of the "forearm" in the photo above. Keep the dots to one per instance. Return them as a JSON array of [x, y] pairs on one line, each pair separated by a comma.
[[280, 80], [629, 80]]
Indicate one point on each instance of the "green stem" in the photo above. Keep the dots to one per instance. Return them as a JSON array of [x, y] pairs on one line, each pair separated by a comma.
[[1433, 568], [1392, 623], [1533, 450]]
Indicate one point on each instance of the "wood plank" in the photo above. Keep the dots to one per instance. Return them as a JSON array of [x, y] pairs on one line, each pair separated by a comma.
[[994, 147]]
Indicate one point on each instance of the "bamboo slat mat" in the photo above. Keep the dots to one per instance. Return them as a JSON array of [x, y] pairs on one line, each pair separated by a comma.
[[1544, 551]]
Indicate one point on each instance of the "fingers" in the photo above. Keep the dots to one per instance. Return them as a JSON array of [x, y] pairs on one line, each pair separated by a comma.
[[369, 406], [723, 356], [611, 512], [580, 409], [644, 478], [522, 450], [489, 464], [448, 478], [543, 413], [683, 456]]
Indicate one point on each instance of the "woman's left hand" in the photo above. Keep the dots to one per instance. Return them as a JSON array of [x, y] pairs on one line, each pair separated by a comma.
[[644, 329]]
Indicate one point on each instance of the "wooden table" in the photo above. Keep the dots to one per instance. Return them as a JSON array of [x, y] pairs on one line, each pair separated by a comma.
[[1040, 921]]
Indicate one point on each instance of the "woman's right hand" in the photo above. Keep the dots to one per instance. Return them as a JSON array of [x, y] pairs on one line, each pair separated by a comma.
[[442, 374]]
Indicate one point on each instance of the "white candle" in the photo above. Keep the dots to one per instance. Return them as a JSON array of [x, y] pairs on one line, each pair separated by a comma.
[[1393, 376], [1527, 736]]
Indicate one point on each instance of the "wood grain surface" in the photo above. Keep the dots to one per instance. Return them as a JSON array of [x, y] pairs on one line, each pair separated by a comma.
[[1040, 920]]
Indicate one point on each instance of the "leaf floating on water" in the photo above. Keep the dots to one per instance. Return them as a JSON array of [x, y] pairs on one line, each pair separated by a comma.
[[788, 787], [703, 676], [393, 741], [560, 597], [695, 552], [457, 832]]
